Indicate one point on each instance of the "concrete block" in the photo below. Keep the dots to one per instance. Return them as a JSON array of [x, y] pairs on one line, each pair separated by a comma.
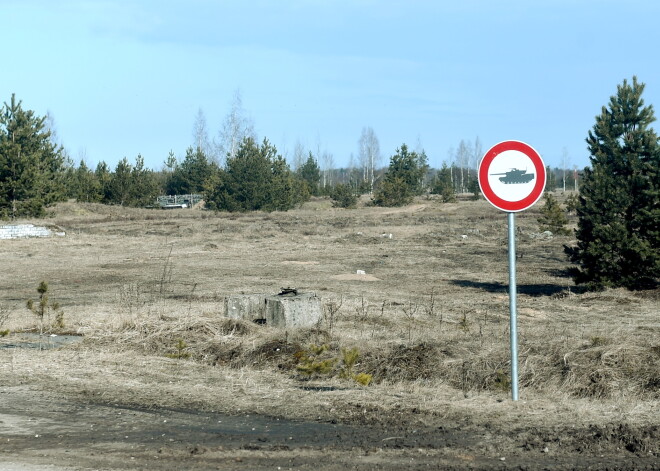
[[299, 310], [247, 307], [284, 310]]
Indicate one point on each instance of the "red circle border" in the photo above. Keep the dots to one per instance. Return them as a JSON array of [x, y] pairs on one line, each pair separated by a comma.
[[487, 191]]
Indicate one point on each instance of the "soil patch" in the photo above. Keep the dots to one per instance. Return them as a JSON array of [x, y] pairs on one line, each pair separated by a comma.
[[355, 277], [38, 427]]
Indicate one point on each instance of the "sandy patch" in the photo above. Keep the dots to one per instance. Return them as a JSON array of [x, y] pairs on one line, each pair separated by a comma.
[[355, 277], [533, 313], [299, 262], [413, 208]]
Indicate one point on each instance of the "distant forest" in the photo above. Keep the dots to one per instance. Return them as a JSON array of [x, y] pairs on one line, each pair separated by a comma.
[[238, 173]]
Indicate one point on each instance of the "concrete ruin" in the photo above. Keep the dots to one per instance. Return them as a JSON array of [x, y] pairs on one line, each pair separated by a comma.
[[287, 309]]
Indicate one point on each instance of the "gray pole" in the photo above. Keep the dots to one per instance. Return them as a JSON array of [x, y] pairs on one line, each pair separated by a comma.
[[512, 306]]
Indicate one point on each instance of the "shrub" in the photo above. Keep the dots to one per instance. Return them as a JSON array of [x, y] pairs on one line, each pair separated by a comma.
[[403, 179], [553, 218], [343, 196], [393, 192]]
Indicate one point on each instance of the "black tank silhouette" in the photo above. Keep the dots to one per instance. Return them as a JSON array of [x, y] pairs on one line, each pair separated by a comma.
[[515, 176]]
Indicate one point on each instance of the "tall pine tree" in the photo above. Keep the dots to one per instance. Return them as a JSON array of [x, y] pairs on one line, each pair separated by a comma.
[[618, 242], [257, 178], [404, 178], [310, 173], [190, 175], [31, 165]]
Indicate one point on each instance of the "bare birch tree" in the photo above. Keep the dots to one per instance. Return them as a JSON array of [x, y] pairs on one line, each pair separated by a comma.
[[369, 155], [201, 135], [299, 155], [565, 163], [463, 155], [235, 128], [328, 161], [477, 153], [450, 155]]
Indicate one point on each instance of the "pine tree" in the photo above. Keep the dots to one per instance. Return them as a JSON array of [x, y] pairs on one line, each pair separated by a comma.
[[31, 165], [403, 180], [286, 191], [343, 196], [443, 186], [551, 179], [553, 218], [87, 187], [120, 183], [256, 178], [189, 176], [619, 210], [143, 184], [104, 178], [310, 173]]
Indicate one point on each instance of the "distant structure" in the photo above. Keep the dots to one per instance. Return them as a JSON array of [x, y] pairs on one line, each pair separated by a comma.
[[177, 201]]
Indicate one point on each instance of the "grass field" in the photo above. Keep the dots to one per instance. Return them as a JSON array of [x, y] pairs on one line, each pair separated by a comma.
[[428, 319]]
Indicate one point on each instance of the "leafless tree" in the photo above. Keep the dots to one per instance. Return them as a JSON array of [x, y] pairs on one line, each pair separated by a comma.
[[565, 163], [201, 134], [477, 153], [328, 161], [450, 155], [51, 128], [299, 155], [463, 155], [235, 128], [369, 155]]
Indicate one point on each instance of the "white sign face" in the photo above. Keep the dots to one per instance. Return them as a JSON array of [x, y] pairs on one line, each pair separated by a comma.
[[512, 176]]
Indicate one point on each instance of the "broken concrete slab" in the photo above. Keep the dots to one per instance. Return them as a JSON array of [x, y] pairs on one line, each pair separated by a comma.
[[285, 310]]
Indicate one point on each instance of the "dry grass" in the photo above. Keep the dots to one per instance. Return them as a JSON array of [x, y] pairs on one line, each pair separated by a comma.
[[430, 322]]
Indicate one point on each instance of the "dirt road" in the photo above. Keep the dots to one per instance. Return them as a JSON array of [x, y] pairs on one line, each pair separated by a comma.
[[42, 430]]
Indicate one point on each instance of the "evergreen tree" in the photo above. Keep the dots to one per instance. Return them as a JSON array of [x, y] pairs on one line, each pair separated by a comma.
[[171, 162], [120, 183], [618, 240], [343, 196], [310, 173], [87, 187], [31, 165], [553, 218], [256, 178], [286, 191], [551, 179], [404, 178], [104, 177], [443, 186], [474, 188], [143, 184], [189, 176]]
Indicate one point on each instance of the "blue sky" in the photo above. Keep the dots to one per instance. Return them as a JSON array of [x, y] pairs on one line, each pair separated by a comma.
[[123, 78]]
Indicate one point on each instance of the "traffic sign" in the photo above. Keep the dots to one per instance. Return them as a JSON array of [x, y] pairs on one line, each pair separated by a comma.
[[512, 176]]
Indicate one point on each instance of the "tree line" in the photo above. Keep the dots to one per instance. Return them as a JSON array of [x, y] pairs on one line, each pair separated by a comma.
[[618, 209], [36, 172]]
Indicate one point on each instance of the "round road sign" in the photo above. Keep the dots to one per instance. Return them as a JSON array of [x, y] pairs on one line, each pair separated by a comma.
[[512, 176]]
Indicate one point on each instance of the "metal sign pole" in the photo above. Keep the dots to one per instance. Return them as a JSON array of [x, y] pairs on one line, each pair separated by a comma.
[[512, 306]]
